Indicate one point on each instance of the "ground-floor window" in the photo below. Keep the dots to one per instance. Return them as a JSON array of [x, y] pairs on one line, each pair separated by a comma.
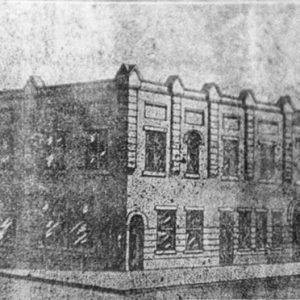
[[194, 230], [244, 228], [276, 229], [166, 229], [261, 229]]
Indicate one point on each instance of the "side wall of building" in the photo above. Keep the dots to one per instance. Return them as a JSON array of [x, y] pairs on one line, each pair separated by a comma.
[[70, 213]]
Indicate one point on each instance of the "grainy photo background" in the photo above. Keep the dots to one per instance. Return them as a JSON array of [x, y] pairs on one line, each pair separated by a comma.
[[238, 46]]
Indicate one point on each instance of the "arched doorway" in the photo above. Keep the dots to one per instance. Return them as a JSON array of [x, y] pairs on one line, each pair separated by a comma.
[[296, 233], [136, 243]]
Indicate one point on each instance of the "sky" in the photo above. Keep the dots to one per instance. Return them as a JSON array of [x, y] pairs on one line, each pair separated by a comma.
[[237, 46]]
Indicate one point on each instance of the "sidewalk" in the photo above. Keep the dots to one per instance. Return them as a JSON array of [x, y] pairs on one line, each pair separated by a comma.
[[123, 283]]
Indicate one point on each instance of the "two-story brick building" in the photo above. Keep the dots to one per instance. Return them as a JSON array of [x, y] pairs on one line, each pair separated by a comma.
[[130, 174]]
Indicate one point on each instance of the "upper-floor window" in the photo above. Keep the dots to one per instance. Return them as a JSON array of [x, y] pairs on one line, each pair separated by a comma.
[[230, 157], [166, 229], [96, 155], [276, 229], [266, 160], [155, 156], [297, 142], [261, 229], [56, 147], [6, 149], [193, 141], [244, 229], [194, 230]]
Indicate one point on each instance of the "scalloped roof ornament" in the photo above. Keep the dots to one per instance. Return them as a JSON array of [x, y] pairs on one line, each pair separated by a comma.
[[175, 84], [286, 105], [134, 75], [248, 97], [33, 84], [213, 91]]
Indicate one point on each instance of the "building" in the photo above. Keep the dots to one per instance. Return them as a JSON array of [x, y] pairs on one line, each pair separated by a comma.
[[129, 174]]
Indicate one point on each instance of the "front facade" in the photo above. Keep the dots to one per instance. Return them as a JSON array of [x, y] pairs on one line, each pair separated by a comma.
[[213, 178], [128, 174]]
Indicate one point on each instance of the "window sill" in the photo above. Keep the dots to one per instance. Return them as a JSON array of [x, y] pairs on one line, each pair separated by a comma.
[[230, 178], [261, 249], [191, 176], [153, 174], [242, 251], [276, 249], [164, 252], [266, 181], [193, 251]]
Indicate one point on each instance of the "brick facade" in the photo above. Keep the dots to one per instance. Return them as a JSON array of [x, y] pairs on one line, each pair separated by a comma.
[[92, 170]]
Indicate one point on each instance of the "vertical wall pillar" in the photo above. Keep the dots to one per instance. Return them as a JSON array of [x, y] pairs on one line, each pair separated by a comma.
[[249, 104], [249, 143], [175, 134], [27, 234], [132, 128], [214, 97], [287, 139]]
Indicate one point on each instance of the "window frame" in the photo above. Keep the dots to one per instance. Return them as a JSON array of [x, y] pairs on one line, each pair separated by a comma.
[[200, 229], [241, 229], [59, 163], [268, 144], [265, 229], [173, 211], [147, 170], [279, 244], [231, 177], [197, 146], [102, 134]]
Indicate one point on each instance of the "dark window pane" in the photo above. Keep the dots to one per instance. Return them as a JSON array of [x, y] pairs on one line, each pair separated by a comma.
[[194, 230], [55, 149], [6, 150], [244, 229], [166, 229], [97, 149], [155, 158], [276, 229], [267, 161], [56, 223], [231, 158], [261, 230], [193, 143]]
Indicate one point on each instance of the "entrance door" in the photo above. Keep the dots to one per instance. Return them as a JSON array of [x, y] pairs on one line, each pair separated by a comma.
[[296, 233], [136, 243], [226, 237]]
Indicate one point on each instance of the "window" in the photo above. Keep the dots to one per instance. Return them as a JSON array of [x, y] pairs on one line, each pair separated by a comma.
[[194, 230], [261, 229], [244, 229], [155, 158], [193, 141], [96, 149], [267, 161], [166, 230], [55, 147], [230, 157], [276, 229], [56, 223], [6, 149], [297, 142]]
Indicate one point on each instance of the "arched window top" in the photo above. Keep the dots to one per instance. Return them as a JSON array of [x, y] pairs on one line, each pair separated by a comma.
[[193, 137], [193, 140]]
